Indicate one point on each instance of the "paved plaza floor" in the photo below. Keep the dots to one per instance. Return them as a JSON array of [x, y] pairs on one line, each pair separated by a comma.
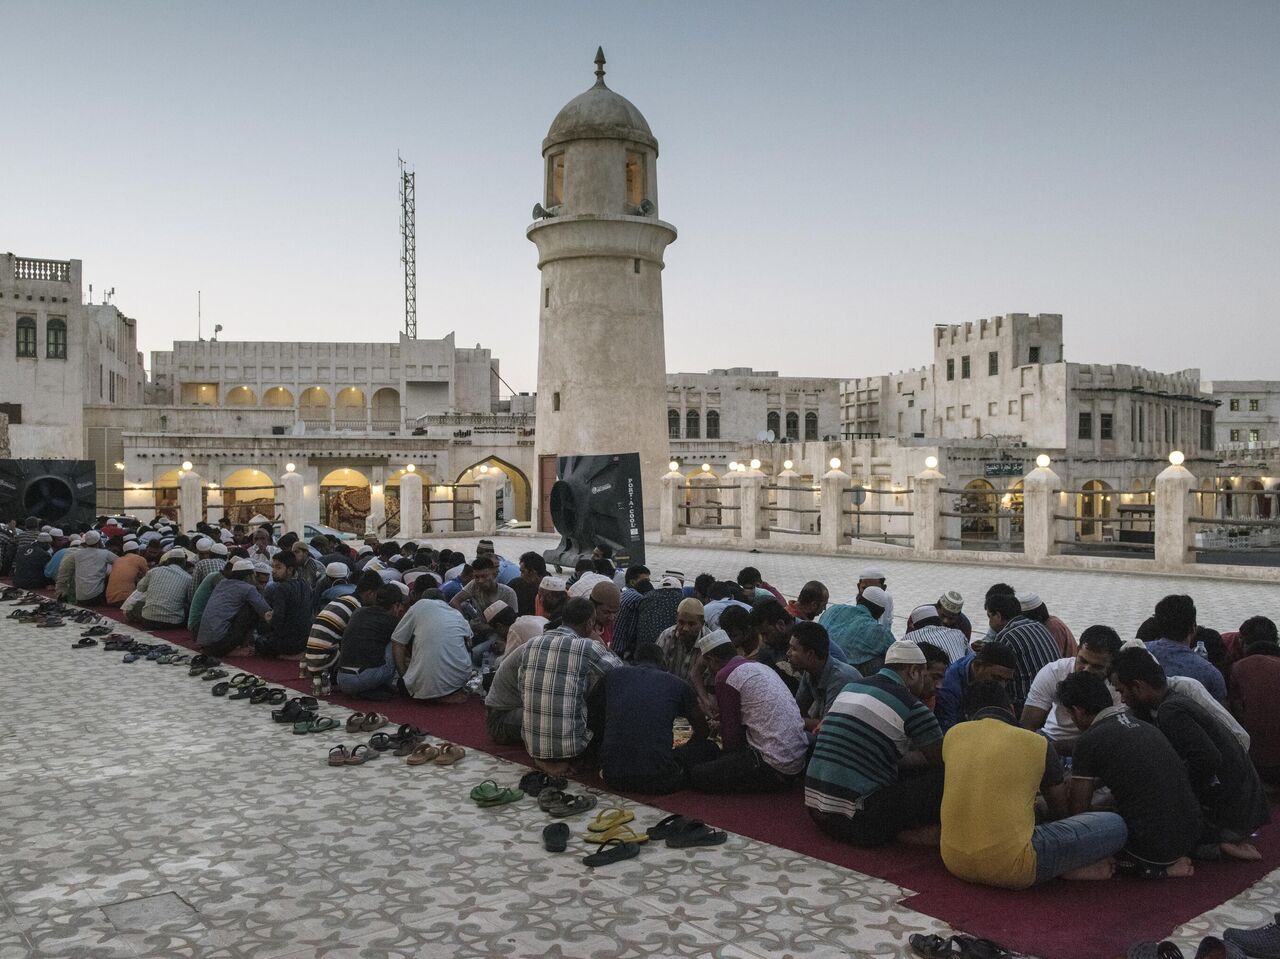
[[144, 817]]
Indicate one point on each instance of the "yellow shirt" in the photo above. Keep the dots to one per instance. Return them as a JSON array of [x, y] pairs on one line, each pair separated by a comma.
[[993, 772]]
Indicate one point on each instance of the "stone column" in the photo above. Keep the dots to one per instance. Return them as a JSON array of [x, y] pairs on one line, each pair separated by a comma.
[[1040, 501], [441, 509], [190, 509], [789, 498], [410, 506], [833, 485], [750, 494], [671, 508], [292, 512], [487, 515], [1175, 505], [926, 523], [377, 511]]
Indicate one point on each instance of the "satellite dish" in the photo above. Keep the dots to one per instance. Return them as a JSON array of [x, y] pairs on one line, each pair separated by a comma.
[[540, 212], [762, 436], [770, 436], [646, 207]]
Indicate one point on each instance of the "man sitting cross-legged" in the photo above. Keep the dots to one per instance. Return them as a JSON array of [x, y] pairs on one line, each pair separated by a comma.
[[994, 770], [1144, 773], [1231, 796], [992, 661], [1097, 646], [860, 787], [822, 677]]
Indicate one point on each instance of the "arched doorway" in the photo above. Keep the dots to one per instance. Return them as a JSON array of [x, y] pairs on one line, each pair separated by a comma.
[[385, 409], [279, 397], [313, 406], [978, 502], [1095, 508], [344, 500], [1012, 504], [246, 493], [240, 396], [1137, 512], [1259, 503], [515, 493], [165, 491], [349, 411]]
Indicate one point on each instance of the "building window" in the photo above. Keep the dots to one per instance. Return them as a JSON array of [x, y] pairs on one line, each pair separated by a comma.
[[1234, 406], [793, 426], [1106, 427], [1235, 436], [951, 368], [810, 426], [635, 178], [993, 363], [1206, 430], [964, 368], [555, 402], [773, 423], [1033, 355], [26, 336], [55, 337], [1253, 406], [692, 425], [993, 409], [13, 411], [713, 424], [111, 388], [1255, 436], [555, 179], [951, 412], [1085, 430], [673, 424]]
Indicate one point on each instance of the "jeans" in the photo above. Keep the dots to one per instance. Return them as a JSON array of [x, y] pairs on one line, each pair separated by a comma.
[[1075, 842], [370, 679]]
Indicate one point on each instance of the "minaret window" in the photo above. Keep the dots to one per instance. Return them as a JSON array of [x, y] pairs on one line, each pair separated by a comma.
[[635, 178], [555, 179]]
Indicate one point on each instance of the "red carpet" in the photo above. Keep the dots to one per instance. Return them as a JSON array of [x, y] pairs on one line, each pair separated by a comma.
[[1059, 920]]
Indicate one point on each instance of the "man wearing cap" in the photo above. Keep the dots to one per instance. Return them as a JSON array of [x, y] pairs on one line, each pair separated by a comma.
[[761, 729], [309, 569], [553, 594], [126, 573], [929, 628], [822, 678], [211, 560], [857, 788], [875, 576], [439, 664], [605, 597], [30, 561], [366, 663], [336, 583], [235, 608], [679, 643], [657, 610], [166, 592], [1034, 646], [200, 597], [858, 631], [330, 624], [93, 566]]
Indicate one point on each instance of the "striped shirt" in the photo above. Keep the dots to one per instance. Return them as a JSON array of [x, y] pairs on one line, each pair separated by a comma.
[[950, 641], [327, 630], [558, 671], [677, 658], [873, 723], [1034, 647], [168, 592], [626, 623]]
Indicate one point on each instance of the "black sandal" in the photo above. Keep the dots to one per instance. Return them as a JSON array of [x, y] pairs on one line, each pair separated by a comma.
[[220, 689], [696, 833], [84, 643], [611, 851]]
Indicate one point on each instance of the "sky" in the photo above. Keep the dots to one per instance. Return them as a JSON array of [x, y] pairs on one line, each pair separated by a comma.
[[843, 176]]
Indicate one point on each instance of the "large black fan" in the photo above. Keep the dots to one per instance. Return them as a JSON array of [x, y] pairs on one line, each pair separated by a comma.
[[597, 499], [57, 491]]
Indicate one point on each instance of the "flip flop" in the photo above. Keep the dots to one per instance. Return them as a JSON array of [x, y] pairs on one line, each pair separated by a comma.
[[220, 689], [244, 692], [534, 782], [422, 754], [373, 721], [214, 674], [931, 947], [84, 643], [696, 834], [274, 696], [321, 725], [489, 793], [555, 838], [361, 755], [338, 756], [407, 746], [571, 805], [624, 833], [614, 850], [379, 742], [606, 819], [449, 754], [241, 679], [666, 827], [354, 722], [130, 658]]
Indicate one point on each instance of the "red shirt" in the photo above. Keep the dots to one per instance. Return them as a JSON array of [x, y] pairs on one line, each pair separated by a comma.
[[1254, 681]]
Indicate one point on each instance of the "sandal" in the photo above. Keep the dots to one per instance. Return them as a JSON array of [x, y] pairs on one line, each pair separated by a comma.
[[624, 832], [534, 782], [422, 754], [244, 692], [321, 725], [373, 721], [555, 838], [607, 819], [666, 827], [614, 850], [84, 643], [570, 805], [241, 679], [489, 793], [931, 947], [338, 756], [220, 689], [214, 674], [275, 696], [259, 695], [696, 833], [355, 722], [449, 754], [407, 746], [360, 755], [379, 742]]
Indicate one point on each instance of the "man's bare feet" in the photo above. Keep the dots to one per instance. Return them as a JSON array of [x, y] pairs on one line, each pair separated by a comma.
[[1242, 851], [1182, 869], [1103, 869], [552, 767], [239, 651], [459, 697], [921, 836]]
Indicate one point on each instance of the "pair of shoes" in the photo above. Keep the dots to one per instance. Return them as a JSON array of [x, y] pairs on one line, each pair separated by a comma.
[[300, 709], [532, 783], [321, 724], [84, 642], [366, 722], [560, 804], [1262, 943], [356, 756], [263, 694], [965, 947], [442, 754], [489, 793], [683, 833]]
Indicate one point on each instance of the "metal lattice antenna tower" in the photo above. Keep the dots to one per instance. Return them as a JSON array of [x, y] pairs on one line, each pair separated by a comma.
[[408, 250]]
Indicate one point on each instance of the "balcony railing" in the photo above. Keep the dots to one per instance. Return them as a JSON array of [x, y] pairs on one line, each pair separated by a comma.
[[57, 271]]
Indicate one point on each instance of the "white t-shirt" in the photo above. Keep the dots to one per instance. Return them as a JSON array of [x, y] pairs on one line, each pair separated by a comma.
[[1043, 694], [523, 630], [1194, 689]]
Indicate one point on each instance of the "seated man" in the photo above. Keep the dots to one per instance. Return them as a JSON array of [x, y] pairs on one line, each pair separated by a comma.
[[1232, 800], [873, 577], [336, 582], [772, 625], [1175, 621], [858, 629], [559, 669], [723, 595], [678, 643], [29, 563], [991, 662], [812, 600], [234, 609], [1254, 681], [127, 571], [324, 641], [929, 628], [483, 590], [641, 704], [637, 584], [993, 771], [439, 664], [200, 598], [821, 677], [761, 730], [290, 600], [1147, 780], [1034, 608], [1034, 645], [366, 664], [1098, 646], [860, 788], [504, 704], [92, 568], [755, 588], [167, 593]]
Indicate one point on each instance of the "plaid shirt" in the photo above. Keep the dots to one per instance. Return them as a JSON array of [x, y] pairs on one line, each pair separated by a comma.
[[168, 590], [214, 564], [1035, 648], [558, 671], [625, 623], [678, 658]]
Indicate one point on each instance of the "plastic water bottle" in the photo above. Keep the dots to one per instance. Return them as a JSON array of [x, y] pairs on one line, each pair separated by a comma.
[[1201, 650]]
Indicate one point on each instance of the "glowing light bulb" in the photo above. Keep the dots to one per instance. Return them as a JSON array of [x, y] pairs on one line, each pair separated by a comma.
[[673, 466], [787, 464], [409, 468], [706, 467], [835, 462], [1176, 458], [931, 462], [755, 464], [289, 467], [186, 466], [1043, 461]]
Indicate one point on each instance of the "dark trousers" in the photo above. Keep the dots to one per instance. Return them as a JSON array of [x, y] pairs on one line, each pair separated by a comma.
[[239, 633], [669, 780], [743, 771], [915, 800], [93, 600], [155, 625]]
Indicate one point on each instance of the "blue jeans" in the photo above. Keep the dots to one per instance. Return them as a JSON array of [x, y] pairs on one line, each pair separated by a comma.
[[1075, 842], [373, 679]]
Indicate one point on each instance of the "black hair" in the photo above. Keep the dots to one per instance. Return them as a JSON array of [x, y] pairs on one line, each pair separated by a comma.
[[606, 551], [584, 565], [1258, 629], [1175, 617], [1006, 604], [535, 562], [997, 654], [603, 566], [812, 638], [649, 653], [722, 590], [388, 596], [635, 572], [577, 612], [1039, 614], [984, 695], [504, 617], [749, 576], [1134, 665], [287, 540], [1101, 639], [703, 582], [482, 562], [933, 654], [286, 559], [769, 611], [735, 620], [369, 580], [1085, 691], [998, 588], [813, 592], [1149, 630]]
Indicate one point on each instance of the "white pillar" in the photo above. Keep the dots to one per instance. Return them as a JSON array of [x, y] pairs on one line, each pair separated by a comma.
[[750, 491], [441, 509], [788, 483], [190, 509], [293, 510], [833, 485], [487, 515], [1175, 505], [926, 523], [671, 508], [377, 511], [410, 506], [1041, 499]]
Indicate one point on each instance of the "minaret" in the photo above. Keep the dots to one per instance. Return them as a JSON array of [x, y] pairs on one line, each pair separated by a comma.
[[601, 353]]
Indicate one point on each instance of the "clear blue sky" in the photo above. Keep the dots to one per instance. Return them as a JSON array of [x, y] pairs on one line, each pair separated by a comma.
[[843, 175]]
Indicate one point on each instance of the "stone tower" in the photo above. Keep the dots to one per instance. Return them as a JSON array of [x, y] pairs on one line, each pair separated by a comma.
[[601, 353]]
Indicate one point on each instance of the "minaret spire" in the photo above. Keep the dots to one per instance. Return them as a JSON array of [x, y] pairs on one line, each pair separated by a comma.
[[600, 66]]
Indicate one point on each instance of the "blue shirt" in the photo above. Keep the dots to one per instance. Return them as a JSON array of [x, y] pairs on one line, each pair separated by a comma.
[[507, 571], [640, 705], [949, 706], [1179, 659], [51, 567], [450, 589]]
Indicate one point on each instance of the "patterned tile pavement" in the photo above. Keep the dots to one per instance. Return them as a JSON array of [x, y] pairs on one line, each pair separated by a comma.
[[125, 782]]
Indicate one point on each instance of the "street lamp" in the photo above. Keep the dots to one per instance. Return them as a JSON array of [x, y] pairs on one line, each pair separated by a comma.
[[1043, 461]]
